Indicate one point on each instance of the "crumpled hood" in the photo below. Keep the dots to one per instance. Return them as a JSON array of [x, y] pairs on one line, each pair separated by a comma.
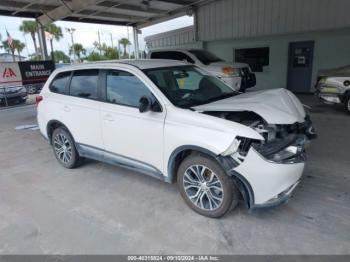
[[276, 106]]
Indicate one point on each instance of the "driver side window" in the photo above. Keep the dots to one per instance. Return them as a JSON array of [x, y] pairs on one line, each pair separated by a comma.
[[124, 88]]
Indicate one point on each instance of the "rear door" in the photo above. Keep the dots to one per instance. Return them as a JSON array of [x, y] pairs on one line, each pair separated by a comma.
[[81, 108]]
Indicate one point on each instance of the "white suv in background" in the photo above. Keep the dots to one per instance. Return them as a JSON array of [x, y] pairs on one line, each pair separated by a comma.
[[237, 75], [174, 122]]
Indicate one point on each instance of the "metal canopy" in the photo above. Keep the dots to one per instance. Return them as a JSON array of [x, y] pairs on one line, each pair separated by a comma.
[[136, 13]]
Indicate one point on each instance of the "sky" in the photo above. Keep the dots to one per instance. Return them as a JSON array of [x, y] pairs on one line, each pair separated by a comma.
[[86, 34]]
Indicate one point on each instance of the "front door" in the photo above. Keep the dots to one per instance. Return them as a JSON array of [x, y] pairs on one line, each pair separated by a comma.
[[131, 138], [300, 66]]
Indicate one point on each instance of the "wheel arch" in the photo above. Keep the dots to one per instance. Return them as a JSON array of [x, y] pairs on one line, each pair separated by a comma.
[[54, 124], [227, 163]]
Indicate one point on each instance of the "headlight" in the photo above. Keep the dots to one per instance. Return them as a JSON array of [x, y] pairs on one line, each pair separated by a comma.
[[287, 153], [229, 71], [288, 150]]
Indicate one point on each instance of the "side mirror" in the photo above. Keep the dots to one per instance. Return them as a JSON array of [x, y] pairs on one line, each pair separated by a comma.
[[145, 104]]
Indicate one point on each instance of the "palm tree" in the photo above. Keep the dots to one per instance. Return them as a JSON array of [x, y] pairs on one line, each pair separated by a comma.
[[124, 42], [77, 49], [30, 27], [9, 49], [18, 46], [56, 33]]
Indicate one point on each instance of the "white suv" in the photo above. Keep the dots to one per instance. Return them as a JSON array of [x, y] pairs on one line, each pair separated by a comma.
[[173, 121], [237, 75]]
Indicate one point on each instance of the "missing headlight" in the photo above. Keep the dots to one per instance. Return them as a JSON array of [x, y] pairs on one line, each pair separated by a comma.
[[287, 150]]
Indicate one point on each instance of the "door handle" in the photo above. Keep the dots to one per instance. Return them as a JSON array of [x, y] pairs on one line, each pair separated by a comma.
[[108, 117], [66, 108]]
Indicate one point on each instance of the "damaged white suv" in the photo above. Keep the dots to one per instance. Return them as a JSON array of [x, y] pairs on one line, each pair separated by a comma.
[[172, 121]]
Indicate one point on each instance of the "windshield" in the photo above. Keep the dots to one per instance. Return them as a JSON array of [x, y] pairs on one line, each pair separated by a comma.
[[187, 86], [205, 57]]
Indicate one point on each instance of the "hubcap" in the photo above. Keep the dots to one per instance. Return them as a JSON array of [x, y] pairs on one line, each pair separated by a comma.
[[62, 148], [203, 187], [349, 105]]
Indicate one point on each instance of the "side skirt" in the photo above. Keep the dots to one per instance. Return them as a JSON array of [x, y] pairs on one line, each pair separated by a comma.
[[118, 160]]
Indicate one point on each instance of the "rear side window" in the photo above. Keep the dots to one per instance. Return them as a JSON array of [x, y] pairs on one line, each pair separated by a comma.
[[172, 55], [124, 88], [84, 84], [59, 84]]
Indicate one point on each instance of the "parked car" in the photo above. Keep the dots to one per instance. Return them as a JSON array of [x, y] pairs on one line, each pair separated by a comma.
[[175, 122], [237, 75], [333, 86], [13, 94], [34, 88]]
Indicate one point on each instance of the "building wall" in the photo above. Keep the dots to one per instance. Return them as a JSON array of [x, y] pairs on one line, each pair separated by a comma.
[[331, 49], [179, 38], [237, 19]]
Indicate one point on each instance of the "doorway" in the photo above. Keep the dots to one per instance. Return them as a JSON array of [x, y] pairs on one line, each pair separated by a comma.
[[300, 66]]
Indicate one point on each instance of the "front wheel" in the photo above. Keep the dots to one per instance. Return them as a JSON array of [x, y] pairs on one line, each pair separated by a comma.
[[205, 186]]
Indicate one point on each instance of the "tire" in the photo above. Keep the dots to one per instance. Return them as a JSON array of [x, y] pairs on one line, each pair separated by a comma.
[[207, 199], [62, 140], [347, 104]]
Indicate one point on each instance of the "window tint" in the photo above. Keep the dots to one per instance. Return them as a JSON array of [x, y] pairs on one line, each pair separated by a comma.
[[172, 55], [125, 89], [60, 82], [84, 84]]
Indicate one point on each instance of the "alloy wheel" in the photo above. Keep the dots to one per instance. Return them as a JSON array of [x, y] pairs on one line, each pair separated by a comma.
[[203, 187], [63, 148]]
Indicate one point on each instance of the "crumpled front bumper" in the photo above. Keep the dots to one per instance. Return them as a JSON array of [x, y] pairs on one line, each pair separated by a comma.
[[269, 183]]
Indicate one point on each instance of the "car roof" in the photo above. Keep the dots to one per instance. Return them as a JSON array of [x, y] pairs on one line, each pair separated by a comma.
[[139, 63]]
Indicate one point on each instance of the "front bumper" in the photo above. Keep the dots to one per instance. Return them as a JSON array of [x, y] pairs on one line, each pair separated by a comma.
[[330, 98], [270, 183], [280, 199], [329, 94]]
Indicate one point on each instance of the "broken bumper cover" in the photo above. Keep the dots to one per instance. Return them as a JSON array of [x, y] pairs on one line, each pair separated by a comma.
[[268, 183], [280, 199]]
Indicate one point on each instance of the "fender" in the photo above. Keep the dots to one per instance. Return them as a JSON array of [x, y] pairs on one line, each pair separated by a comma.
[[226, 162]]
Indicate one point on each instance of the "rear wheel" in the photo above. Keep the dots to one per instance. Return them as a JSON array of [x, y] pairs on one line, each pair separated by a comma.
[[64, 148], [205, 186]]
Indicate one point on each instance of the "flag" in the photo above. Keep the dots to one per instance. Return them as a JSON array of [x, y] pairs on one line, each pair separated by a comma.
[[9, 40]]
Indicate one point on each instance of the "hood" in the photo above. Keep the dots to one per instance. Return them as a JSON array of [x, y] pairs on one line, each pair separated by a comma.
[[276, 106]]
